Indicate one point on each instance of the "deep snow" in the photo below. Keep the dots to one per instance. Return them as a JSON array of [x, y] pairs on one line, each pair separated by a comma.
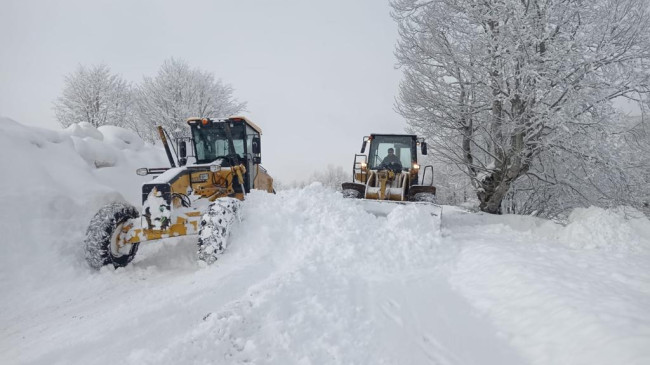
[[309, 278]]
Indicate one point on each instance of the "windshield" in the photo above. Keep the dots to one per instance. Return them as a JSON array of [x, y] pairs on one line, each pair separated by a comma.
[[398, 150], [211, 141]]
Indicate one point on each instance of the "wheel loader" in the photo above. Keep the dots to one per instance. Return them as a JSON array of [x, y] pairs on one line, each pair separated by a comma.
[[198, 198], [389, 175]]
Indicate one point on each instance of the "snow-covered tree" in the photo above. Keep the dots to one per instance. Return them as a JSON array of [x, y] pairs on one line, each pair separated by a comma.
[[94, 95], [280, 185], [511, 89], [331, 177], [610, 167], [452, 185], [179, 92]]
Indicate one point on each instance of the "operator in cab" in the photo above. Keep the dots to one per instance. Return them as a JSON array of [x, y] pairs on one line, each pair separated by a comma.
[[391, 161]]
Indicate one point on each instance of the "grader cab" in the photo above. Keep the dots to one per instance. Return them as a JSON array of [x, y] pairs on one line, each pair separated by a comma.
[[201, 197]]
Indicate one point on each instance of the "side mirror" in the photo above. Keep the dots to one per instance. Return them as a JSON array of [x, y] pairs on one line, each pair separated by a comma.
[[363, 146], [182, 151], [257, 147], [423, 146]]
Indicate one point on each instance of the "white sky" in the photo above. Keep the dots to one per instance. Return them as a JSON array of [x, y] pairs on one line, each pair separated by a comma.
[[317, 75]]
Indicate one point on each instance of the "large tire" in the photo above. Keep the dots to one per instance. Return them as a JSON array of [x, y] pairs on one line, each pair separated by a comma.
[[425, 197], [350, 194], [422, 193], [215, 228], [100, 247], [353, 190]]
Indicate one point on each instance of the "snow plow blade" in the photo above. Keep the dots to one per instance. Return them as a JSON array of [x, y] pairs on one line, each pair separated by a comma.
[[382, 208]]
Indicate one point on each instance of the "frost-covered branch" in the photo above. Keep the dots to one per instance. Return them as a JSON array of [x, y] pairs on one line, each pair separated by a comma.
[[497, 85]]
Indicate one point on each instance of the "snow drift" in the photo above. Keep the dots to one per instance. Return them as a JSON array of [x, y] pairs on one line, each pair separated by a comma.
[[52, 185], [309, 277]]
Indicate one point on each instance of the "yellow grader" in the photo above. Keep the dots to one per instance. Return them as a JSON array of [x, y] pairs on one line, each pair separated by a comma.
[[390, 173], [199, 198]]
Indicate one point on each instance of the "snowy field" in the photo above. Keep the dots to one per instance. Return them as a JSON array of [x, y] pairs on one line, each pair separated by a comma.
[[309, 278]]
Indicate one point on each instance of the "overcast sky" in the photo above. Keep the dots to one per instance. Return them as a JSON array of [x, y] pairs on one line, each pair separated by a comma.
[[317, 75]]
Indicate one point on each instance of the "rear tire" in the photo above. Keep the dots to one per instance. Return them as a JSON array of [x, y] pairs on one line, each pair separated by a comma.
[[100, 243], [215, 228]]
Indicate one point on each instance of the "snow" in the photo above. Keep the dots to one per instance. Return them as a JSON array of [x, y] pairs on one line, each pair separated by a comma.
[[614, 230], [157, 216], [168, 176], [308, 278], [560, 301]]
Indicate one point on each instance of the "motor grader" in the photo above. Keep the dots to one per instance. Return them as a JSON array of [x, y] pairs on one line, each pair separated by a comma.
[[390, 173], [201, 197]]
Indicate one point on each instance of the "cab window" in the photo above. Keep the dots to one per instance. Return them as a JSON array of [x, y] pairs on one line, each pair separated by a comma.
[[401, 145], [212, 142]]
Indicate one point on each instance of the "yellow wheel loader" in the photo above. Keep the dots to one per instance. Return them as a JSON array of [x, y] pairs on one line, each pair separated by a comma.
[[389, 175], [201, 198]]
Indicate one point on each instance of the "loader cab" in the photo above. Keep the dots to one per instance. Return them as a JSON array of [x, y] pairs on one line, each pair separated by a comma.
[[403, 146], [388, 169], [233, 141]]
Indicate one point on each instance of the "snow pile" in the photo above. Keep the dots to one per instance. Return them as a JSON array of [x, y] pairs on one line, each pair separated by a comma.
[[121, 138], [105, 146], [609, 229], [50, 188], [84, 130], [573, 294], [313, 278], [326, 225]]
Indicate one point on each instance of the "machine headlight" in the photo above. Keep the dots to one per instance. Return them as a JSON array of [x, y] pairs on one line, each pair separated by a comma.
[[416, 167], [215, 168], [143, 171], [364, 166]]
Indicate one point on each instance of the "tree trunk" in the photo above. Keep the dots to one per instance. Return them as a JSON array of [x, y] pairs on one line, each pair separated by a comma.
[[493, 192]]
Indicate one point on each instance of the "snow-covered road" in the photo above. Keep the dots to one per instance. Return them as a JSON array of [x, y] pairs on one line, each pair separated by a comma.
[[309, 278], [312, 278]]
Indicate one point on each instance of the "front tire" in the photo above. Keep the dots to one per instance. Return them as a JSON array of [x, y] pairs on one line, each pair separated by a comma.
[[101, 236], [215, 228], [350, 194], [422, 193], [425, 197], [353, 190]]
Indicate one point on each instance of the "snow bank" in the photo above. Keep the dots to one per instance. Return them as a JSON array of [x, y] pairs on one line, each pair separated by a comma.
[[50, 188], [608, 229], [121, 138], [84, 130], [574, 294], [619, 229]]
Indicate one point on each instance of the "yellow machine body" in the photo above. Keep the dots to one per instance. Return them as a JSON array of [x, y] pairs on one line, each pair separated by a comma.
[[374, 179], [173, 202]]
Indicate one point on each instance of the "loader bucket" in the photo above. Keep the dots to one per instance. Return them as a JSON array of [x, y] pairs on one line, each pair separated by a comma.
[[382, 208]]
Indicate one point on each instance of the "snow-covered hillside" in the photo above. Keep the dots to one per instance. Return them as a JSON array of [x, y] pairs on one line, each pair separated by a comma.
[[309, 277]]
